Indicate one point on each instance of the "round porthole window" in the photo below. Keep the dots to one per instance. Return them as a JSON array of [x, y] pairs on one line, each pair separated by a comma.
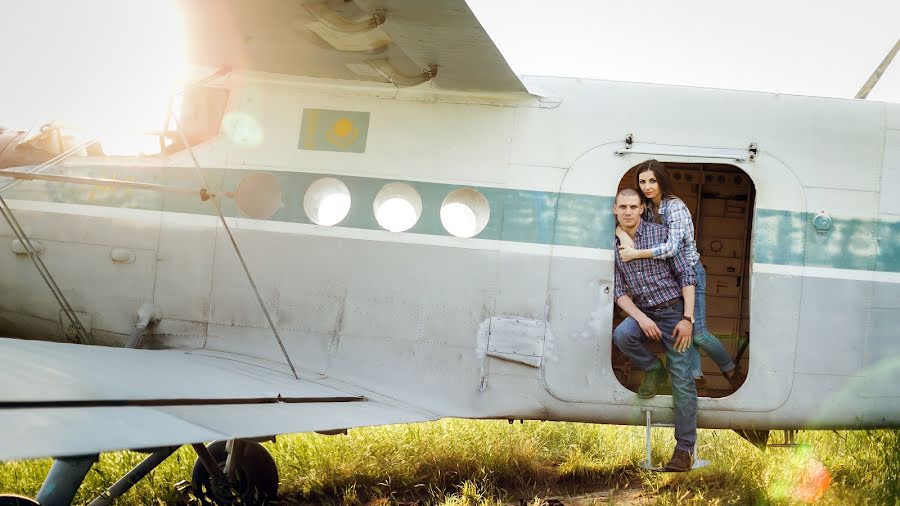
[[327, 201], [397, 207], [465, 212], [258, 195]]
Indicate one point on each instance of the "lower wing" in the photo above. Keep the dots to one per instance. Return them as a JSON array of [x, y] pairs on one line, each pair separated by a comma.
[[65, 400]]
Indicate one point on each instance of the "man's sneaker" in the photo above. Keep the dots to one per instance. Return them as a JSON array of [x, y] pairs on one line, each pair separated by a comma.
[[736, 379], [681, 462], [652, 380]]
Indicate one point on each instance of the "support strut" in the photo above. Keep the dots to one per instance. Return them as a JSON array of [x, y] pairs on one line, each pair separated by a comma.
[[64, 479], [133, 476], [209, 462]]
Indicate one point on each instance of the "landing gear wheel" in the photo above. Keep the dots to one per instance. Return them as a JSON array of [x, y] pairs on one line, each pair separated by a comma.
[[257, 477], [16, 500]]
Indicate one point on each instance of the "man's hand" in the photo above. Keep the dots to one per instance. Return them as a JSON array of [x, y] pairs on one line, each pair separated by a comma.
[[649, 327], [682, 335], [627, 253]]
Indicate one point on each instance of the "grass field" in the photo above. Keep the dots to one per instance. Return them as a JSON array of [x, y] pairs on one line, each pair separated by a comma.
[[459, 462]]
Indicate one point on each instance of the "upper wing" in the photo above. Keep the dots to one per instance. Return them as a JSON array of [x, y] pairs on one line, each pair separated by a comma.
[[64, 400], [331, 39]]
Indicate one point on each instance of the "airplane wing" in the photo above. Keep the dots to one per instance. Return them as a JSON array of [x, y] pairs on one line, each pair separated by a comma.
[[349, 40], [66, 400]]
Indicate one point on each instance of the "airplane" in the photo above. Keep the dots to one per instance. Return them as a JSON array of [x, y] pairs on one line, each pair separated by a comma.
[[362, 216]]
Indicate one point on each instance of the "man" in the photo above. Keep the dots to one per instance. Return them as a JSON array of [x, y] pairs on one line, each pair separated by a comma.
[[658, 295]]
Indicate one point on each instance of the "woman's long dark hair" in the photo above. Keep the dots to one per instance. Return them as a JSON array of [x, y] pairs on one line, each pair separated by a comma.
[[662, 178]]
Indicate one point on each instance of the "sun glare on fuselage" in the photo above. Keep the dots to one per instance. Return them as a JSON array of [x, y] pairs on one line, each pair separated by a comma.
[[105, 68]]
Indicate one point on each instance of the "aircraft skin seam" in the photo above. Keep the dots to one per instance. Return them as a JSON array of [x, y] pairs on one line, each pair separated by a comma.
[[343, 335], [176, 402], [204, 352], [835, 375], [417, 341]]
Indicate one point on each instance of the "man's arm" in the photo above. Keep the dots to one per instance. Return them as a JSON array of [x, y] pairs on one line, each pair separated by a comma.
[[624, 301], [647, 325]]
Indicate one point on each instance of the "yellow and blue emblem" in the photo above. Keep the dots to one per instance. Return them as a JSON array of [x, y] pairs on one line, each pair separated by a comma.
[[327, 130]]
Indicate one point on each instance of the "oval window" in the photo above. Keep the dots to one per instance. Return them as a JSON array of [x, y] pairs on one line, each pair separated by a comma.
[[327, 201], [258, 195], [397, 207], [465, 212]]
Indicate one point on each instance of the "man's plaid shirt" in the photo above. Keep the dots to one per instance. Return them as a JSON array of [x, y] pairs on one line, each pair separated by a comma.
[[652, 281], [677, 218]]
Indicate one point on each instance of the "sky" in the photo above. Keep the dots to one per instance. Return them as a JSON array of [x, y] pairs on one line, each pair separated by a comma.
[[807, 47], [92, 58]]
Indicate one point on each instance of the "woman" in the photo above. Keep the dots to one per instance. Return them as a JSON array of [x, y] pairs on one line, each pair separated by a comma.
[[665, 208]]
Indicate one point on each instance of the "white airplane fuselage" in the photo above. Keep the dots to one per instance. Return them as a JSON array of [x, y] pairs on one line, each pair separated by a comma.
[[517, 321]]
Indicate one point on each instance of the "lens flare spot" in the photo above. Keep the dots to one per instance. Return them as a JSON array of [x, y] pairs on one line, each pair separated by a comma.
[[242, 129], [801, 478], [813, 483]]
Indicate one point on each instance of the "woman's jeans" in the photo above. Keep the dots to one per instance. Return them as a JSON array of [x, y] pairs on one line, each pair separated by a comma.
[[703, 340]]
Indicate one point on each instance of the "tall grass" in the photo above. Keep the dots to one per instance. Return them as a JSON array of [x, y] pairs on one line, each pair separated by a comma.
[[458, 462]]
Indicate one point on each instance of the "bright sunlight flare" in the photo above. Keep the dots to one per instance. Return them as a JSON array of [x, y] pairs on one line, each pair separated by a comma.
[[106, 68]]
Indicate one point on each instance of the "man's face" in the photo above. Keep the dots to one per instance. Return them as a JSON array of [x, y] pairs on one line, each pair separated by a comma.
[[628, 210]]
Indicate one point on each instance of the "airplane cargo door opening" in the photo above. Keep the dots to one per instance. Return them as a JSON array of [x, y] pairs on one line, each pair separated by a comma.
[[720, 199]]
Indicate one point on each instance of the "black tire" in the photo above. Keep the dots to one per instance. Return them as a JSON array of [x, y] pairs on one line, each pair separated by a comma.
[[257, 477], [16, 500]]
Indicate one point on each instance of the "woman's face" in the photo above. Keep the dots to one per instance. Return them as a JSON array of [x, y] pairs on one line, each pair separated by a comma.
[[649, 185]]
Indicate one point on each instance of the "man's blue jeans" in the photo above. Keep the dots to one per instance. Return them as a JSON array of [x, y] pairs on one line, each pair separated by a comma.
[[703, 340], [629, 337]]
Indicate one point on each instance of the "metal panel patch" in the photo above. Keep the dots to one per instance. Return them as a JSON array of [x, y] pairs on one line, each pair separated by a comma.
[[517, 340]]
